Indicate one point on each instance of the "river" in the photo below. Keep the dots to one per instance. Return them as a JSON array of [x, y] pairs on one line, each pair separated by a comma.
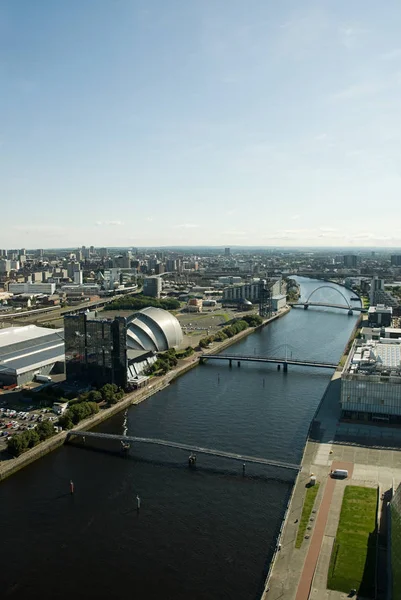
[[202, 534]]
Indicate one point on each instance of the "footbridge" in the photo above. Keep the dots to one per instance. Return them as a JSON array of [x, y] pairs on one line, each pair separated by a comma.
[[124, 439], [285, 361]]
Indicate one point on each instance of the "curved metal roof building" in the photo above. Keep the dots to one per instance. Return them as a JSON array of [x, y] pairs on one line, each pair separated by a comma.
[[153, 329]]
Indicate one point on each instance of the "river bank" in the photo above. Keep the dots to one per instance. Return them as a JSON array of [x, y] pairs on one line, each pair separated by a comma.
[[286, 566], [13, 465]]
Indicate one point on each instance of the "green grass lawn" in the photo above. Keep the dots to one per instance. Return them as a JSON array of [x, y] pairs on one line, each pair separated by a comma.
[[352, 563], [310, 497]]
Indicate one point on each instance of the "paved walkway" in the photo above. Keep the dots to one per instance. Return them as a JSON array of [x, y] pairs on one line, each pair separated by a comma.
[[301, 574], [305, 583]]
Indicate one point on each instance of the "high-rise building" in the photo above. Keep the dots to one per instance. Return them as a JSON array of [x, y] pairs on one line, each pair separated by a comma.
[[396, 260], [78, 277], [350, 261], [5, 266], [227, 251], [376, 285], [96, 349], [152, 286]]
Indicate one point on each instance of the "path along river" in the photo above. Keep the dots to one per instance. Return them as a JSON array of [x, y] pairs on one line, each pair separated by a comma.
[[203, 534]]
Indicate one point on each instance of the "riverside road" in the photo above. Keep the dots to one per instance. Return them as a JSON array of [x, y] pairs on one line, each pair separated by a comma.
[[206, 533]]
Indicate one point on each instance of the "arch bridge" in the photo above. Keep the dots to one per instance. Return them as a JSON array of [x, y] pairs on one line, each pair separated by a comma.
[[346, 306]]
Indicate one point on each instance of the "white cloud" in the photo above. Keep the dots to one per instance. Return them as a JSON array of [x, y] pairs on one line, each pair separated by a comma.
[[109, 223], [187, 226]]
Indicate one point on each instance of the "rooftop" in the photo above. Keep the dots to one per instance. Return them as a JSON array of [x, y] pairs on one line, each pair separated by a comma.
[[381, 357], [16, 335]]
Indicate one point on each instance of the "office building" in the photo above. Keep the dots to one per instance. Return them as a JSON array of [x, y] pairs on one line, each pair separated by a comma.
[[250, 291], [78, 277], [32, 288], [350, 261], [380, 316], [5, 266], [396, 260], [96, 349], [152, 286], [29, 350], [371, 382], [227, 251]]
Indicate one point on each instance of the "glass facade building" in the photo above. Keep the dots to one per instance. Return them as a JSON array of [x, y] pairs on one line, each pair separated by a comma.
[[96, 349], [371, 382]]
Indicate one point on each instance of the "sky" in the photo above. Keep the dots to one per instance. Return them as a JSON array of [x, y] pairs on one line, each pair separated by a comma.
[[200, 122]]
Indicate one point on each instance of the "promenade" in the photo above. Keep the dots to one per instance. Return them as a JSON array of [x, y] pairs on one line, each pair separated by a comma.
[[301, 574]]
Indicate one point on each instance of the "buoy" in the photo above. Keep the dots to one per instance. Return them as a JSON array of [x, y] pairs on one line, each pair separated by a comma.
[[71, 487]]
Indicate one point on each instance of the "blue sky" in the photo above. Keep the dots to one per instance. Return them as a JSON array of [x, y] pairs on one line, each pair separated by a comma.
[[221, 122]]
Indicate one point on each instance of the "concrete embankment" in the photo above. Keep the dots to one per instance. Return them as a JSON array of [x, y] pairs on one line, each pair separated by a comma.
[[8, 467], [290, 565]]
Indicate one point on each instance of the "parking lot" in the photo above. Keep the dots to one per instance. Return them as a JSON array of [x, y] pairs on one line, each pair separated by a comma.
[[12, 422]]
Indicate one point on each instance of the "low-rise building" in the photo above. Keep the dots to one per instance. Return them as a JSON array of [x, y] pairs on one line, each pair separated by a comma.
[[380, 315], [28, 351], [278, 302], [195, 305], [371, 381], [32, 288]]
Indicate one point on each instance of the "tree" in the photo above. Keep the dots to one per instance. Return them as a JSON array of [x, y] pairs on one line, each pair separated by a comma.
[[45, 430], [65, 421], [95, 396]]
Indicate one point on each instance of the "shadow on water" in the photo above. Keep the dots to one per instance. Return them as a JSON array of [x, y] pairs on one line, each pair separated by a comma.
[[228, 473]]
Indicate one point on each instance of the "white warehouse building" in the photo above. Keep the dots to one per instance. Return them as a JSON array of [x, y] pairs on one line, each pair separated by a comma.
[[371, 381], [30, 350]]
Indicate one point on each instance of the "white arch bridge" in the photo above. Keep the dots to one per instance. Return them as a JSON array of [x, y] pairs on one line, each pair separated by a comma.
[[128, 439], [346, 306]]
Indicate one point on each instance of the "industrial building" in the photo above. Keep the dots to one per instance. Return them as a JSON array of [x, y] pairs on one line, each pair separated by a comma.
[[371, 381], [28, 351], [153, 329]]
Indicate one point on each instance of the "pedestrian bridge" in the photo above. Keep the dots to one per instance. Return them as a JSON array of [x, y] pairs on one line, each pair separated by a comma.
[[269, 359], [244, 458]]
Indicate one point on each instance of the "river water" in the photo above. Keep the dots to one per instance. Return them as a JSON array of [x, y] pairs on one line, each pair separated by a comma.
[[200, 534]]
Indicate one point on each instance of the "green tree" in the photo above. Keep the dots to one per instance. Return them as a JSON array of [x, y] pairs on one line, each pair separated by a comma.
[[45, 429], [65, 421], [95, 396]]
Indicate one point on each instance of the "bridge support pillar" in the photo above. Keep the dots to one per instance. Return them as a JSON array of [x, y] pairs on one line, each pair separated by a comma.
[[350, 312], [306, 306], [238, 364], [230, 363], [285, 367]]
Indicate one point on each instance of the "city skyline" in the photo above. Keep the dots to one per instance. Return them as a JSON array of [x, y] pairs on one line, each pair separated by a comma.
[[150, 124]]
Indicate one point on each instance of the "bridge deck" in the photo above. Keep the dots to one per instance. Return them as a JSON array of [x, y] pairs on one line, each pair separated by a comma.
[[329, 305], [189, 448], [272, 359]]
